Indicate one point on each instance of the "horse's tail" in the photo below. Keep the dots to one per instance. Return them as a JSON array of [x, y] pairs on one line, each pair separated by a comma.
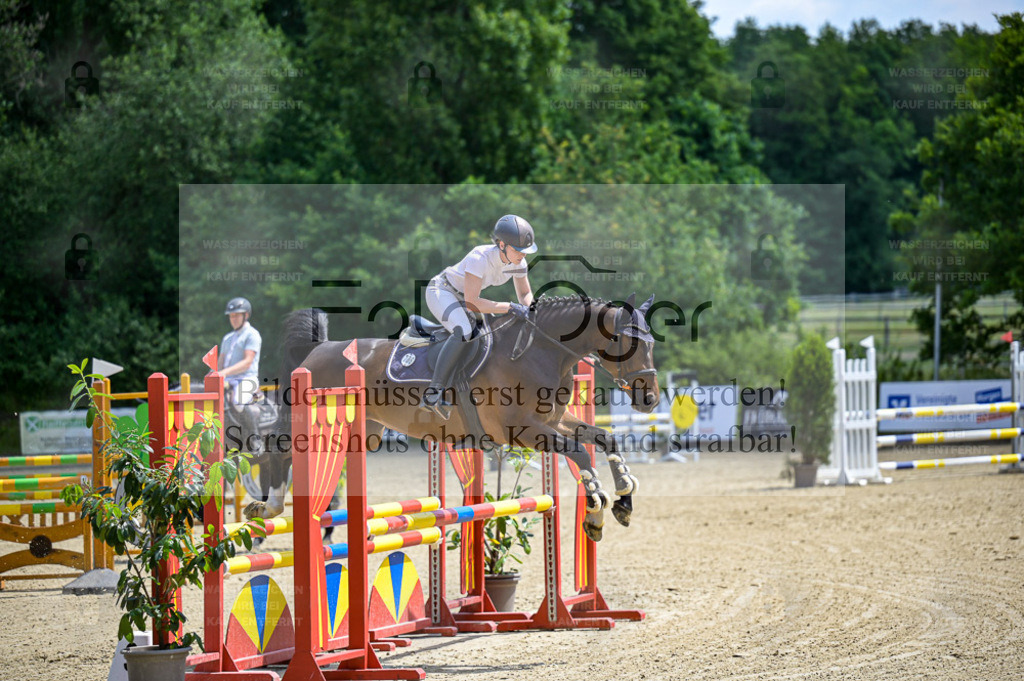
[[303, 331]]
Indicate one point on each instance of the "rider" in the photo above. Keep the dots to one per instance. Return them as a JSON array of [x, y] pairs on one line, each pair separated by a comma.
[[239, 363], [454, 295]]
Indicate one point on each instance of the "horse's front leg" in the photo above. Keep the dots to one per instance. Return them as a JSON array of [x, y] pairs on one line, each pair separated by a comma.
[[549, 439], [625, 482]]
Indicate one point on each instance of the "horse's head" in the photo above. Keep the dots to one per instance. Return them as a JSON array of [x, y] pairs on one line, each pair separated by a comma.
[[631, 354]]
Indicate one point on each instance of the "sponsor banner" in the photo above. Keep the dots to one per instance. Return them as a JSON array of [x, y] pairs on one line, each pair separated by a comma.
[[901, 395], [58, 432], [716, 408]]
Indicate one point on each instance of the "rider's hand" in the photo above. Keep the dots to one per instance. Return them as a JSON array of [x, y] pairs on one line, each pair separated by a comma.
[[519, 310]]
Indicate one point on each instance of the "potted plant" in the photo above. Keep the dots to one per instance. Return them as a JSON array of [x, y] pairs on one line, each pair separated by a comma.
[[506, 539], [810, 406], [154, 510]]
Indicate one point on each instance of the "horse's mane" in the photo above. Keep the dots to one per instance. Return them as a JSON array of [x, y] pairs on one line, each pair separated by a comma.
[[547, 306], [547, 301]]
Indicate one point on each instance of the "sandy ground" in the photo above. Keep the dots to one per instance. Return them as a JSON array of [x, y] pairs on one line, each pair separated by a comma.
[[741, 577]]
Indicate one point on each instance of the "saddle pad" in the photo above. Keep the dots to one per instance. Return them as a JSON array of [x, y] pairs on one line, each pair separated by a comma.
[[410, 364]]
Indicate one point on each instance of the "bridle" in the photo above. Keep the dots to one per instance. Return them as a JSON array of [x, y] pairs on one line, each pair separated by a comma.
[[623, 382]]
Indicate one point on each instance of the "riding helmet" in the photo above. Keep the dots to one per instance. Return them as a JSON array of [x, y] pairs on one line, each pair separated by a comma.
[[238, 305], [516, 232]]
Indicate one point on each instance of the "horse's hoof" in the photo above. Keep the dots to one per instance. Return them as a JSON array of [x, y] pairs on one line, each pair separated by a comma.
[[621, 514], [593, 532], [255, 510]]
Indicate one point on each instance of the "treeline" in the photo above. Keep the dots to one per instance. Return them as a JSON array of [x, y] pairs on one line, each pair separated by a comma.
[[527, 93]]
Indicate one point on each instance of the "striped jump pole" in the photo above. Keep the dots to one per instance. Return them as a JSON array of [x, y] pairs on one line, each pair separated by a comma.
[[46, 460], [285, 525], [279, 525], [637, 419], [384, 510], [38, 495], [943, 463], [34, 507], [21, 484], [49, 474], [460, 514], [281, 559], [390, 542], [948, 436], [949, 410]]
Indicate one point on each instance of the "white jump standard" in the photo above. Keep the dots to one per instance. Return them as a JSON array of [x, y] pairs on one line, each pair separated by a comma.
[[855, 439]]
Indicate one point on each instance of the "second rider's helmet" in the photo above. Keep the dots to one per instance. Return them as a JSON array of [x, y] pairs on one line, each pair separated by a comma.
[[516, 232], [238, 305]]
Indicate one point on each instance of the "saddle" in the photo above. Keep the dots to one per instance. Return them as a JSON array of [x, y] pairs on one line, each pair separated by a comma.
[[415, 354]]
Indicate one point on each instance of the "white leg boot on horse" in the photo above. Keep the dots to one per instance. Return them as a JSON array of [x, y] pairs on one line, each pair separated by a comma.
[[597, 501], [626, 484]]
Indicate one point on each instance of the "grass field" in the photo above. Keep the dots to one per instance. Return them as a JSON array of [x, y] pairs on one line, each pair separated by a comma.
[[856, 316]]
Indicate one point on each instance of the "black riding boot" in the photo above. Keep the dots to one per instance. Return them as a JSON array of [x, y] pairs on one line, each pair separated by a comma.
[[448, 359]]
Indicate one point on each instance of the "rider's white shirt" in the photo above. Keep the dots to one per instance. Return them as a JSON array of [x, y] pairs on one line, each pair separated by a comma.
[[485, 262]]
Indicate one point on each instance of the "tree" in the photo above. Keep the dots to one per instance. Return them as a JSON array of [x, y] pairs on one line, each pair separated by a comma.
[[169, 112], [971, 214]]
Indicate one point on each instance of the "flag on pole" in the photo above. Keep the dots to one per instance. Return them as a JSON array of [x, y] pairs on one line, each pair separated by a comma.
[[105, 369], [351, 353], [210, 358], [1008, 337]]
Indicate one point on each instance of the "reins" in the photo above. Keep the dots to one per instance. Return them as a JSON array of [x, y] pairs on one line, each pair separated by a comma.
[[620, 381]]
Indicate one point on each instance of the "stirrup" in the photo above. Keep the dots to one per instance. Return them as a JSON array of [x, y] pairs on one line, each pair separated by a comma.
[[439, 406]]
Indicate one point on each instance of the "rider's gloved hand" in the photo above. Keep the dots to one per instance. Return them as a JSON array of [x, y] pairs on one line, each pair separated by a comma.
[[519, 310]]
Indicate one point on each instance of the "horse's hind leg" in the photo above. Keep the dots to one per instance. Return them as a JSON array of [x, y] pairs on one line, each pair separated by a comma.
[[273, 505]]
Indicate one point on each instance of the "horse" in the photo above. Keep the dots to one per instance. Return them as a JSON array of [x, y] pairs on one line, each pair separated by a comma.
[[532, 358]]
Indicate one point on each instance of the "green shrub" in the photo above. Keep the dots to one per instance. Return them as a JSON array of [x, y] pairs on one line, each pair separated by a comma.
[[810, 402]]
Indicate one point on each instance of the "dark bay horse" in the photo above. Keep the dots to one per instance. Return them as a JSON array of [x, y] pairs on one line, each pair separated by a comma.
[[529, 395]]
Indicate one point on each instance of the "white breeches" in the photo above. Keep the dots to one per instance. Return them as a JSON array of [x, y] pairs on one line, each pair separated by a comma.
[[449, 310]]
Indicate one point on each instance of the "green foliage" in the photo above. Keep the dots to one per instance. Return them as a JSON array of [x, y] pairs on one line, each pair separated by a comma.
[[891, 367], [971, 185], [155, 510], [508, 536], [112, 170], [810, 403], [837, 126]]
